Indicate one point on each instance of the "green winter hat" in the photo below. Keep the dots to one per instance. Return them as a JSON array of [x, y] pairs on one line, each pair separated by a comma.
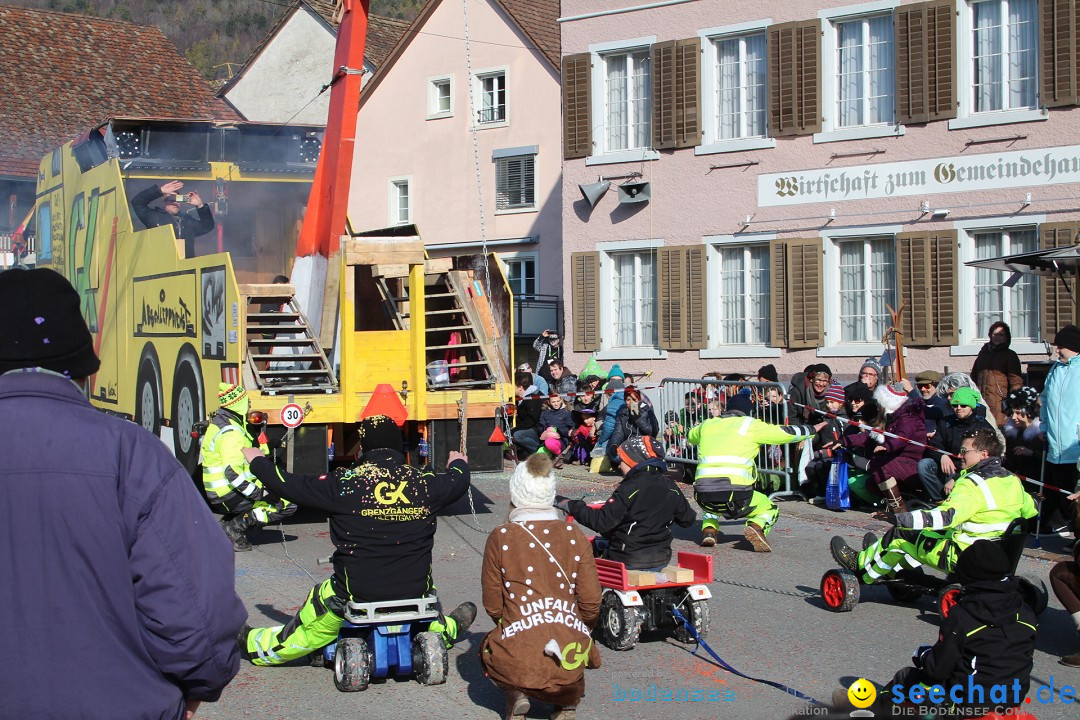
[[965, 396]]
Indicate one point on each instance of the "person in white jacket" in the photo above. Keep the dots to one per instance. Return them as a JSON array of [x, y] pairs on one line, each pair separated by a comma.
[[1060, 419]]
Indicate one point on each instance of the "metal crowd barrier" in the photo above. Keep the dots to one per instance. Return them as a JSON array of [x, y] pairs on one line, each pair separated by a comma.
[[686, 402]]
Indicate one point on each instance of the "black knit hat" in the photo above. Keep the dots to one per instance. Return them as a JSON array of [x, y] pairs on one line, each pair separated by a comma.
[[1068, 337], [379, 432], [767, 373], [983, 560], [42, 324]]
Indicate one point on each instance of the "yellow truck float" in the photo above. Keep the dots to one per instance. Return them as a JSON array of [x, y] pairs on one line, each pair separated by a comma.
[[431, 334]]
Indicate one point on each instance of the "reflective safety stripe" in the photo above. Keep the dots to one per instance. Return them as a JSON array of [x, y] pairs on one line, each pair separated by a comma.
[[213, 469], [726, 459], [985, 487], [916, 521], [724, 471], [745, 426], [984, 527]]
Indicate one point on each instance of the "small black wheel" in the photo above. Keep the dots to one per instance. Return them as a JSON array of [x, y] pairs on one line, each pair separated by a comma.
[[840, 590], [352, 664], [697, 612], [947, 598], [619, 625], [1034, 592], [187, 409], [430, 661]]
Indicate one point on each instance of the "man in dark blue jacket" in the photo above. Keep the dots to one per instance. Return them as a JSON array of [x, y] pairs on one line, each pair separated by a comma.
[[119, 598]]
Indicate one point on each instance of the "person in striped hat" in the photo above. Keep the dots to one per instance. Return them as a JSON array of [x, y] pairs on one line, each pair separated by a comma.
[[233, 492]]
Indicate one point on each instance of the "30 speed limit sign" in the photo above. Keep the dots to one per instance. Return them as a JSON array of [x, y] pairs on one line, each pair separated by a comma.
[[292, 415]]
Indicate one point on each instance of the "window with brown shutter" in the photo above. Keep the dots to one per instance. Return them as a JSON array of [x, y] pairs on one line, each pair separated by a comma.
[[926, 277], [1059, 54], [585, 298], [577, 111], [1056, 305], [797, 293], [681, 275], [925, 61], [676, 92], [795, 78]]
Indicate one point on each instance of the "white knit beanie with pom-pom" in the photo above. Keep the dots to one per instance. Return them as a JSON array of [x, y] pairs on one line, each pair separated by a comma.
[[533, 483]]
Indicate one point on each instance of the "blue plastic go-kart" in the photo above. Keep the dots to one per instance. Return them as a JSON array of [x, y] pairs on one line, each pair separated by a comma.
[[380, 639]]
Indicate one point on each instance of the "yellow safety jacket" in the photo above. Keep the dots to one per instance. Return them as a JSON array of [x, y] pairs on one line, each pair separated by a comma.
[[225, 471], [984, 501], [728, 449]]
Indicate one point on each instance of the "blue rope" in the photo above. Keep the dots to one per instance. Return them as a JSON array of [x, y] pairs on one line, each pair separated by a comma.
[[701, 643]]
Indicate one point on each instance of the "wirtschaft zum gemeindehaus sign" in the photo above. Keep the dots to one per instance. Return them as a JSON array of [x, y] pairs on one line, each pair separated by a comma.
[[1021, 168]]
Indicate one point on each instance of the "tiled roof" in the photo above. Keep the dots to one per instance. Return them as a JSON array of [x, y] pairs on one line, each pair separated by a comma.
[[537, 19], [64, 73]]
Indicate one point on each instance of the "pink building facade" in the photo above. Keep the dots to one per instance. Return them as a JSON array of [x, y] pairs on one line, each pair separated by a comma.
[[808, 164], [416, 162]]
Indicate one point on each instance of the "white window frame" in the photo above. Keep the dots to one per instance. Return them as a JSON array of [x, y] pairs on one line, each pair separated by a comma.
[[969, 341], [830, 309], [713, 245], [478, 94], [499, 156], [965, 57], [433, 83], [598, 81], [710, 95], [393, 186], [606, 320], [830, 131], [507, 258]]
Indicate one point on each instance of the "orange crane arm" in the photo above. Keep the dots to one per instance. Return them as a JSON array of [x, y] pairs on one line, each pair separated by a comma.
[[328, 202]]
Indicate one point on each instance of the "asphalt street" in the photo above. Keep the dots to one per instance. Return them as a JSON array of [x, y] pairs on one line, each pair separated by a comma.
[[767, 621]]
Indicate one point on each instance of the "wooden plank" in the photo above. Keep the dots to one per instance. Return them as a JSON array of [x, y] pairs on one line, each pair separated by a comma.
[[384, 251], [395, 270], [438, 265]]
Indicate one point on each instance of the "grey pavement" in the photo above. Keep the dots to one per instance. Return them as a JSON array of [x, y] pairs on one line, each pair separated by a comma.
[[767, 621]]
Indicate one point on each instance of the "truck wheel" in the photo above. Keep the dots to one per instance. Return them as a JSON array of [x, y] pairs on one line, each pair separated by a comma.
[[430, 661], [840, 590], [620, 626], [187, 409], [352, 664], [697, 613], [147, 402], [1034, 592], [947, 598]]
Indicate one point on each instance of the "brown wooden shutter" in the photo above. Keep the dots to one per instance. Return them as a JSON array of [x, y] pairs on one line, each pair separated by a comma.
[[585, 295], [1055, 303], [925, 61], [577, 105], [795, 78], [1059, 56], [926, 272], [676, 81], [797, 293], [681, 275]]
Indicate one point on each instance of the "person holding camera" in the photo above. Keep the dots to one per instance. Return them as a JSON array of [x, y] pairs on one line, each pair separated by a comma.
[[186, 225], [549, 345]]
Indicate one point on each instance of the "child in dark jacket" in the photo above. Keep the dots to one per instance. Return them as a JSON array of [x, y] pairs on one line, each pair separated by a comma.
[[584, 437], [556, 426], [636, 520]]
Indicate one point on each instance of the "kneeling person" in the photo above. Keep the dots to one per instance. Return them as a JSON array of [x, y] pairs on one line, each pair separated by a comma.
[[382, 523], [635, 522], [727, 470], [983, 503], [233, 492]]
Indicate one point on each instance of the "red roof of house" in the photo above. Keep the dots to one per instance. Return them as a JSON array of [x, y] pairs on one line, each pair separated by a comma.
[[65, 73], [537, 18]]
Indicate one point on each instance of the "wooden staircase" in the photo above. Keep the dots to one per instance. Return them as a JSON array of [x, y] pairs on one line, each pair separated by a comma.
[[458, 327], [282, 354]]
